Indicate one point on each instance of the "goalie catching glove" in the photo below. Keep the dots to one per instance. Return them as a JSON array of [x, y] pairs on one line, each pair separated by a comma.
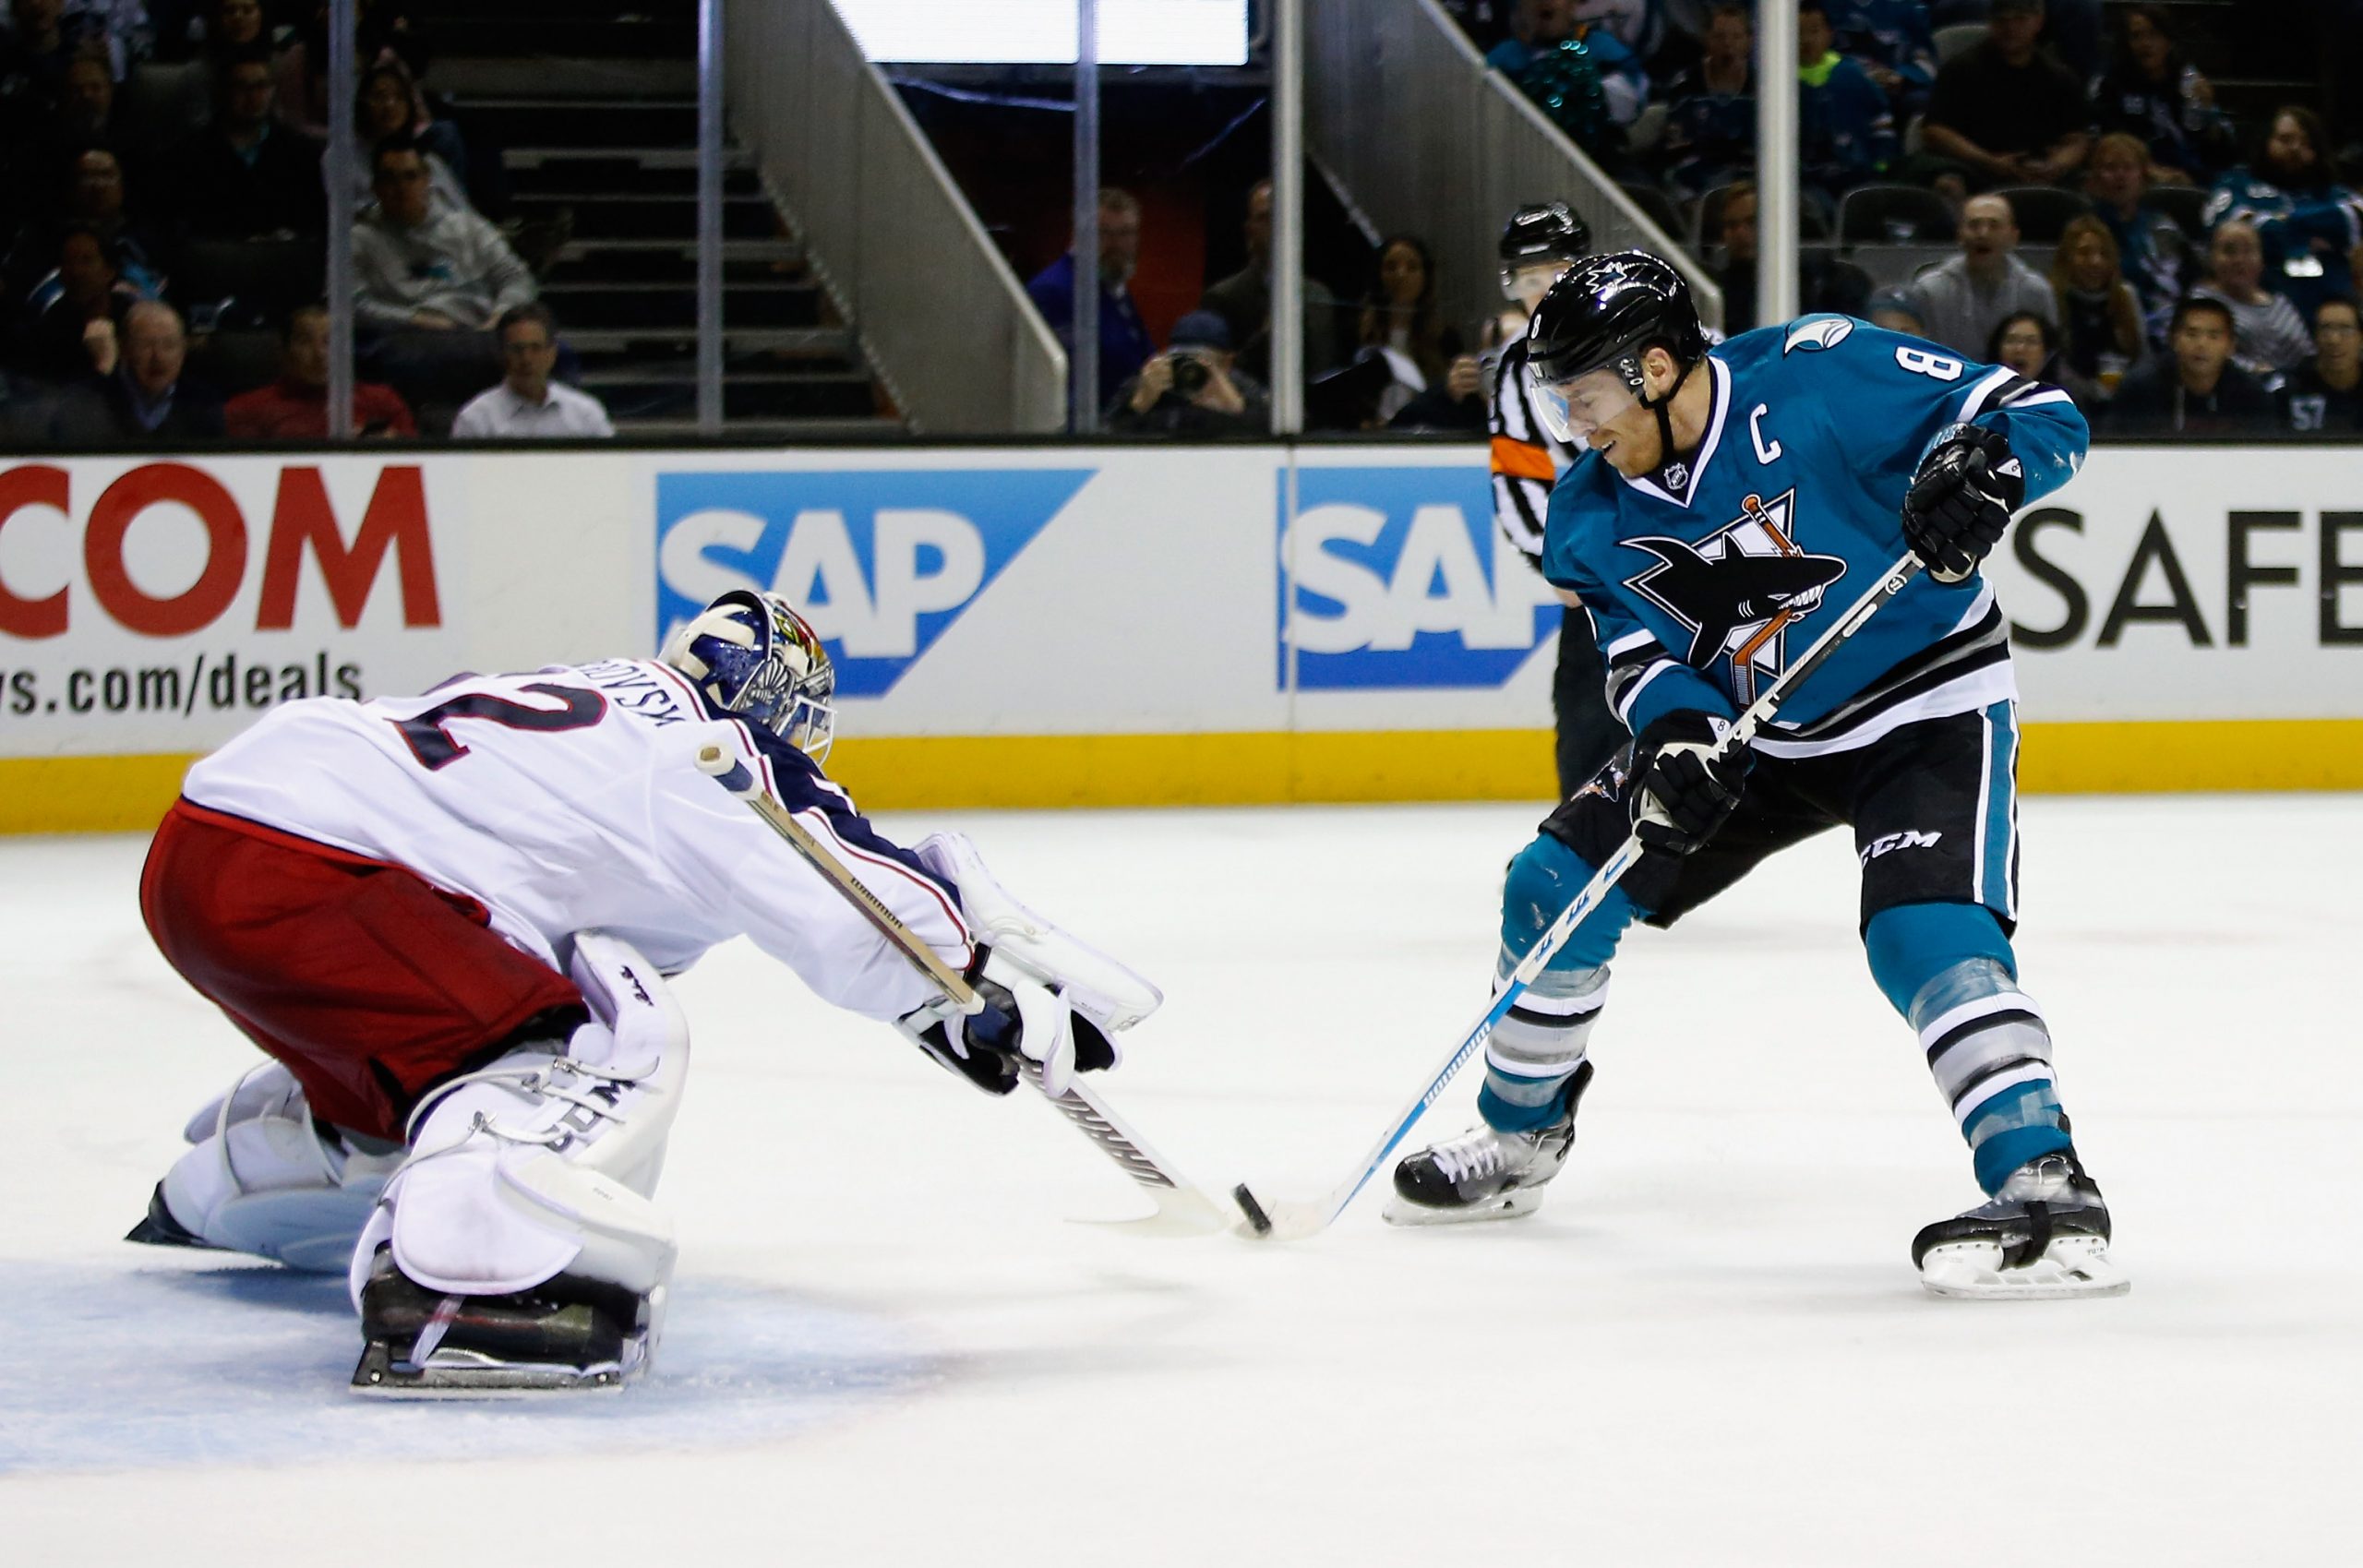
[[1961, 500], [1021, 1019], [1047, 995], [1684, 786]]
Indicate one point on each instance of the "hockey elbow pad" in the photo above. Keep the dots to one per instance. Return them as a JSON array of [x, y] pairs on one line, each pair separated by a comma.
[[1688, 780]]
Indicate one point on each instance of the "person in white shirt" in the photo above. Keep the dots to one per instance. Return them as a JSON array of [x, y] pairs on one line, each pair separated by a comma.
[[447, 918], [527, 403]]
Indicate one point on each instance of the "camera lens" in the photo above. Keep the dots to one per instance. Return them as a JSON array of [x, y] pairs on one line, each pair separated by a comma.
[[1189, 374]]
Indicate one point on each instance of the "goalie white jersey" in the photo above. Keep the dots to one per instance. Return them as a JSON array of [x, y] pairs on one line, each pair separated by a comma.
[[570, 798]]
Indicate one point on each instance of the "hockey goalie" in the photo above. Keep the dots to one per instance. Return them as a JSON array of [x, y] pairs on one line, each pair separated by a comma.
[[448, 918]]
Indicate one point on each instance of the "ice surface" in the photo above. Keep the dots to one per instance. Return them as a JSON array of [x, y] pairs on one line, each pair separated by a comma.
[[890, 1346]]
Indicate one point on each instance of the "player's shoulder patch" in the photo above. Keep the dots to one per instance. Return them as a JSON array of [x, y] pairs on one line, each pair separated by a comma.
[[1814, 332]]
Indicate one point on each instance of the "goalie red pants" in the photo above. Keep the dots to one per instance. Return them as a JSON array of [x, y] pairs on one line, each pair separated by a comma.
[[370, 984]]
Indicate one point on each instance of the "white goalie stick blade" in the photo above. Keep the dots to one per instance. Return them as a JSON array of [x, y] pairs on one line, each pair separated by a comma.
[[2070, 1266], [1183, 1208]]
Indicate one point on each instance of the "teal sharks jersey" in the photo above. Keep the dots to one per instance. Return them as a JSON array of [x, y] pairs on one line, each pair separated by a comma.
[[1705, 579]]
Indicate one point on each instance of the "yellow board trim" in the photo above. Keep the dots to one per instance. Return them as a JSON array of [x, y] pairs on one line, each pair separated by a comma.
[[57, 795]]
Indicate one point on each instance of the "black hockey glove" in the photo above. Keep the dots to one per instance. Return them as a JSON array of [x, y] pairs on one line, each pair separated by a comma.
[[1681, 788], [987, 1046], [982, 1046], [1962, 500]]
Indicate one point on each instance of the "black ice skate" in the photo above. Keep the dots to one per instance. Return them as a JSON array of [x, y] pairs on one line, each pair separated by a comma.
[[2044, 1234], [565, 1335], [1484, 1174]]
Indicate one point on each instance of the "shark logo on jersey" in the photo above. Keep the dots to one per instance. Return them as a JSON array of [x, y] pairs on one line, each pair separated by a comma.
[[881, 562], [1739, 589], [1816, 332]]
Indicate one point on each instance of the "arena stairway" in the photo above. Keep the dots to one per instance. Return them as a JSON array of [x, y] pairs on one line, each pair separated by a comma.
[[594, 111]]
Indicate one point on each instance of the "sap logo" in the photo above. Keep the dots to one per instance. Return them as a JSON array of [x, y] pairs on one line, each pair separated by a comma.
[[1397, 578], [1907, 839], [881, 563]]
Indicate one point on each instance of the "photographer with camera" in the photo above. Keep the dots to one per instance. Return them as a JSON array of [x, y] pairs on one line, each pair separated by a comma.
[[1193, 388]]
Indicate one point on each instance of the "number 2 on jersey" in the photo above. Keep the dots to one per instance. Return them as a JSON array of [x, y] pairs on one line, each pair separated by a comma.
[[432, 743]]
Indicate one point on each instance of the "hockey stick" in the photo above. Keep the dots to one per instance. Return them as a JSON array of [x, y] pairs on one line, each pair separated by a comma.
[[1293, 1221], [1182, 1209]]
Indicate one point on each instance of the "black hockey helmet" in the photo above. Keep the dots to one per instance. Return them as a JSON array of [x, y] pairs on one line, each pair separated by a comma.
[[1544, 230], [1605, 312]]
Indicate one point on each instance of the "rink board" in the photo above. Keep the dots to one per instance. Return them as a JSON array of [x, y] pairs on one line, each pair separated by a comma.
[[1045, 626]]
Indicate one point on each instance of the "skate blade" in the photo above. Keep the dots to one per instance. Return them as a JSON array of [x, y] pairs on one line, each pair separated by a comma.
[[463, 1374], [1517, 1201], [2071, 1266]]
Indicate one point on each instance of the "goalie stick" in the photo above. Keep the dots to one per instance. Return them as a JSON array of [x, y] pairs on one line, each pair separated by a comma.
[[1182, 1209], [1294, 1221]]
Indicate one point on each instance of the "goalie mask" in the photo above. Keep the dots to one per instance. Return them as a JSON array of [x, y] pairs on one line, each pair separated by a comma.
[[756, 658]]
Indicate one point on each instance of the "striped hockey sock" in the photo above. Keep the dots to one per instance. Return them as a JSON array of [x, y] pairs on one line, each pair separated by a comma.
[[1538, 1046], [1990, 1055]]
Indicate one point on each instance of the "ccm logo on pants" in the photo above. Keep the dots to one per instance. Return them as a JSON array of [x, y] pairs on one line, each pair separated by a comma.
[[1908, 839]]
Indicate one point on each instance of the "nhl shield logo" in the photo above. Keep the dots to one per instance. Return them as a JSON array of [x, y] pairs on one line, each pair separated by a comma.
[[1739, 590], [1677, 476]]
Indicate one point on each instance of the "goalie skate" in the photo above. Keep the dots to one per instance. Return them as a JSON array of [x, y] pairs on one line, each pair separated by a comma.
[[2046, 1234], [567, 1335], [1484, 1174]]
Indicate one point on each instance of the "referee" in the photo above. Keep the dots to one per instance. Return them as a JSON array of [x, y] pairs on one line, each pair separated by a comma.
[[1537, 246]]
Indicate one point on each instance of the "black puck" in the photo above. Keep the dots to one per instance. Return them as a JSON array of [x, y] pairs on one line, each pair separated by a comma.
[[1256, 1218]]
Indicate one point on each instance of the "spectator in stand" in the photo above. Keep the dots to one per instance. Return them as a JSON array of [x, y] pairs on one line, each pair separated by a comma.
[[1639, 25], [2309, 223], [1244, 300], [1893, 309], [1124, 344], [1824, 283], [1964, 299], [94, 199], [183, 94], [115, 30], [2325, 393], [34, 55], [295, 407], [528, 405], [388, 104], [248, 176], [1892, 40], [2268, 335], [2100, 320], [2152, 250], [2030, 345], [144, 402], [1710, 128], [1538, 27], [383, 31], [1401, 320], [1845, 131], [2151, 93], [2006, 114], [1194, 387], [2194, 389], [430, 280], [72, 327]]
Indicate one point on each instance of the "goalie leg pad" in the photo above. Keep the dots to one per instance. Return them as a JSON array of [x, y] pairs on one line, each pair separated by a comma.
[[1108, 993], [546, 1161], [262, 1177]]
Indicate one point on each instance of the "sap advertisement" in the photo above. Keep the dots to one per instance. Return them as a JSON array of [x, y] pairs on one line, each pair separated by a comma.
[[1128, 591], [157, 604]]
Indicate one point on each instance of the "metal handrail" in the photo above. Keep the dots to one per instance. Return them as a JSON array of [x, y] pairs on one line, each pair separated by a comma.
[[939, 312], [1401, 109]]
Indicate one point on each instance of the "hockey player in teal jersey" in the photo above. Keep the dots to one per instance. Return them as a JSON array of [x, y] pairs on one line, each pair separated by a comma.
[[1733, 503]]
